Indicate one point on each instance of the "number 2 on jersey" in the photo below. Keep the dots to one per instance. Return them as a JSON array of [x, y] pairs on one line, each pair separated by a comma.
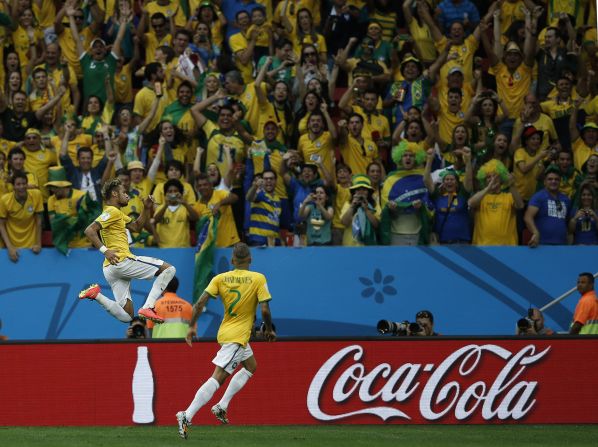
[[237, 294]]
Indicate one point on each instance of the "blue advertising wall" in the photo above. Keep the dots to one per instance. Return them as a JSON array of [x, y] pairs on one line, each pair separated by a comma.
[[316, 291]]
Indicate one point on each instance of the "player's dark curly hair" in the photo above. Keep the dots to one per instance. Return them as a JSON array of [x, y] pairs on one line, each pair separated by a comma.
[[109, 187]]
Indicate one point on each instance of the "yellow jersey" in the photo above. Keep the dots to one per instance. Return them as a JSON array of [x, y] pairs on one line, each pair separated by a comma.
[[188, 193], [342, 196], [172, 9], [581, 153], [358, 155], [526, 183], [45, 13], [321, 146], [464, 59], [123, 87], [227, 230], [38, 162], [423, 39], [81, 140], [447, 121], [69, 47], [238, 42], [545, 124], [512, 87], [215, 150], [240, 291], [21, 219], [143, 105], [252, 109], [69, 206], [173, 230], [495, 222], [144, 187], [114, 232], [557, 109], [152, 43]]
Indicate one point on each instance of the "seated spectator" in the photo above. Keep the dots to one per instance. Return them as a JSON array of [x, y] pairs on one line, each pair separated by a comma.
[[265, 211], [21, 218], [173, 217], [548, 213], [359, 215], [318, 213], [584, 223], [495, 207]]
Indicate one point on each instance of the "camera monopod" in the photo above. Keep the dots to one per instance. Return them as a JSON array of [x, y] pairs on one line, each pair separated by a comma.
[[562, 297]]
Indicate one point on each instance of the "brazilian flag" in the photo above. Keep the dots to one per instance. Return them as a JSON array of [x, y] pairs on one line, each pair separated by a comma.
[[65, 228], [206, 228]]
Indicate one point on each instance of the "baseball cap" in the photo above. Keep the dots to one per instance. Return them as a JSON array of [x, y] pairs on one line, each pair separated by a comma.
[[33, 131], [589, 125]]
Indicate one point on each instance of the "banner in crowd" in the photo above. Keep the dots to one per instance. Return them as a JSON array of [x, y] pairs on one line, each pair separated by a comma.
[[412, 381], [319, 291]]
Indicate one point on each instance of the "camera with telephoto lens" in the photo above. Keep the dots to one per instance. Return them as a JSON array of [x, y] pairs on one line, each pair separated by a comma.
[[396, 328]]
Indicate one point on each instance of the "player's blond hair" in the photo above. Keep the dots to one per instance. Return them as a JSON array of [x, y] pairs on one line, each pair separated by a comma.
[[110, 186]]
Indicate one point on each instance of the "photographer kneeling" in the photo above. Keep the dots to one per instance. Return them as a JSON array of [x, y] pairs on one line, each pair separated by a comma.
[[423, 326], [533, 324]]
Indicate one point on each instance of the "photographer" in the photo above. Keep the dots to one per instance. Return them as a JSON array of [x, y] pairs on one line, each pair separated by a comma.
[[136, 328], [173, 218], [423, 326], [533, 324]]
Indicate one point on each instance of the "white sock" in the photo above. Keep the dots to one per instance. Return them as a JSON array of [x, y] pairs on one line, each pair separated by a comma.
[[236, 384], [202, 397], [113, 308], [158, 287]]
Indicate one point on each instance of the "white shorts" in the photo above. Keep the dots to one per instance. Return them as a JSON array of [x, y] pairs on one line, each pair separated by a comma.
[[119, 276], [230, 355]]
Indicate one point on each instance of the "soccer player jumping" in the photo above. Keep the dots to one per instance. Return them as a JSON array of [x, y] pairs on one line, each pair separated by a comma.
[[241, 291], [120, 265]]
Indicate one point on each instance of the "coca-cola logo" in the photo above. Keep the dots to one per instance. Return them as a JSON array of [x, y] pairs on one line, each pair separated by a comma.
[[381, 389]]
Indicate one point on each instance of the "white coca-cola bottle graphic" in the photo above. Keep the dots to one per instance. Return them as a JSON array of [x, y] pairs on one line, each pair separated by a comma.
[[143, 389]]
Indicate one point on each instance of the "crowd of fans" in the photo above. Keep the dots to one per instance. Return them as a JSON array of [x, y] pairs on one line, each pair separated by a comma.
[[305, 122]]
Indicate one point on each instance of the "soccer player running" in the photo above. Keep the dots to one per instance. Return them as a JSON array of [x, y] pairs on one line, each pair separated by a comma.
[[241, 291], [108, 233]]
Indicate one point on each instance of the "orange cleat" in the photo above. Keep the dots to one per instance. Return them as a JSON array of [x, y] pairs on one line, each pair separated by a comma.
[[149, 314], [90, 293]]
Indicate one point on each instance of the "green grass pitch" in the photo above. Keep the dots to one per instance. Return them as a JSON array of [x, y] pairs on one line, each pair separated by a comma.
[[316, 436]]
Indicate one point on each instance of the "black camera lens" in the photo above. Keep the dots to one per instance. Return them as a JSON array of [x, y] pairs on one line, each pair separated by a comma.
[[523, 324]]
